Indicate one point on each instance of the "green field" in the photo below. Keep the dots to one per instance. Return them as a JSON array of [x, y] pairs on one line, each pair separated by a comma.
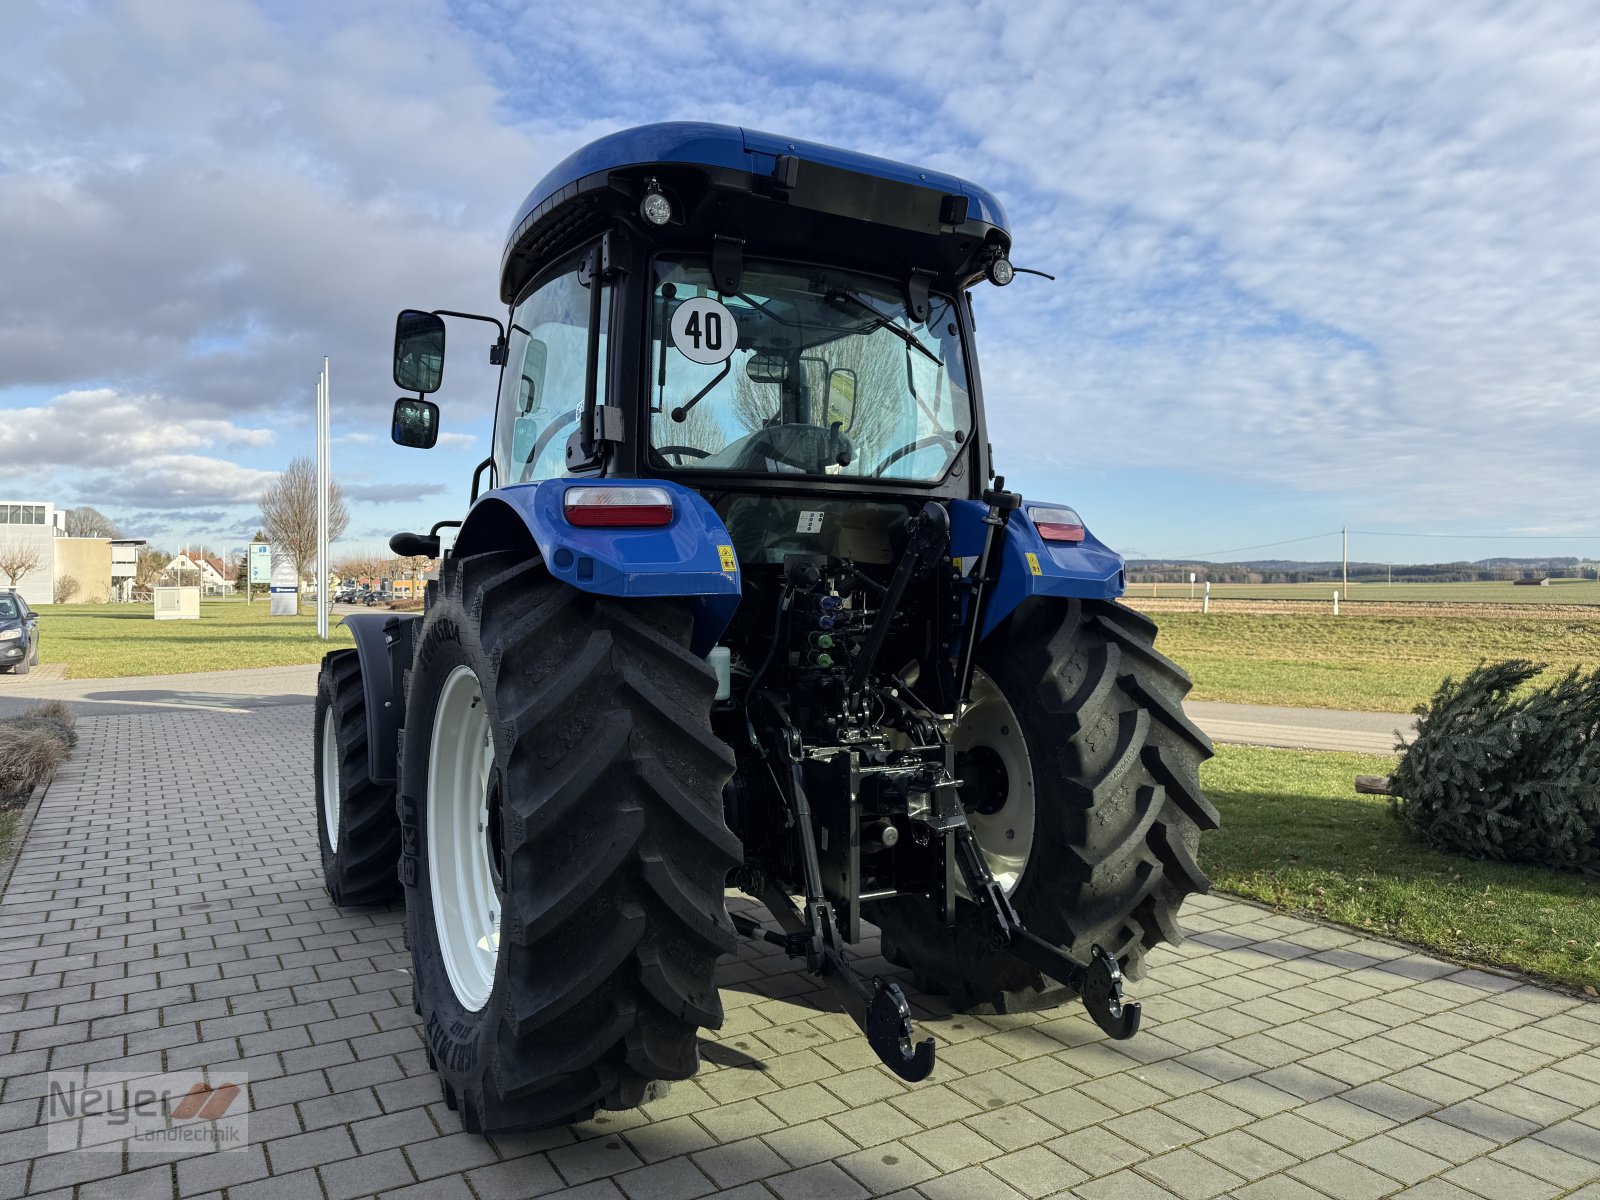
[[1373, 663], [98, 641], [1559, 591], [1295, 835]]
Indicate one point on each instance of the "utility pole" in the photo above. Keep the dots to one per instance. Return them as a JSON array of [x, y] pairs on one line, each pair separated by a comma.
[[1344, 553], [323, 480]]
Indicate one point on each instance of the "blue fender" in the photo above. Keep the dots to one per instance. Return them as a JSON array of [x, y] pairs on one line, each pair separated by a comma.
[[1031, 566], [692, 556]]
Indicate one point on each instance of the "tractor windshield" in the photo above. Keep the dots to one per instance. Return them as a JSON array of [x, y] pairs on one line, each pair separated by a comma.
[[804, 370]]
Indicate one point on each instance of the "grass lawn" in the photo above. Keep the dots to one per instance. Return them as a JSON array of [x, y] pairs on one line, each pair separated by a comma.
[[110, 640], [1558, 591], [1295, 835], [1379, 664]]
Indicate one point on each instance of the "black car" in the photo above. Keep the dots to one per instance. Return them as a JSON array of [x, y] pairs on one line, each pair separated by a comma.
[[19, 635]]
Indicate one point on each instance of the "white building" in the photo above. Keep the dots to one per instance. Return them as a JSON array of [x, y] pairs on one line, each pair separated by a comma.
[[124, 566], [27, 526], [192, 569]]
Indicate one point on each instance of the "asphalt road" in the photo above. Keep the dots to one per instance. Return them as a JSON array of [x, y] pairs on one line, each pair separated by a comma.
[[1247, 724]]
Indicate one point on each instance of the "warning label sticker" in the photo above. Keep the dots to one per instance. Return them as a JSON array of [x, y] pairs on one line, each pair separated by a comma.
[[729, 562], [1033, 563]]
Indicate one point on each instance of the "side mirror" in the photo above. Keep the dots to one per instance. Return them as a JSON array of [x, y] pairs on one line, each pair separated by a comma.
[[842, 398], [416, 423], [418, 351], [767, 368]]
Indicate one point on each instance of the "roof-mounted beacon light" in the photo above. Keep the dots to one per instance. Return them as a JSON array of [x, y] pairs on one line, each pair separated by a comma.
[[655, 207]]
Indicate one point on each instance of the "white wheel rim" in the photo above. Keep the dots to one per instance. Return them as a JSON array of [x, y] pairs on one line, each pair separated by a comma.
[[466, 908], [331, 797], [1006, 835]]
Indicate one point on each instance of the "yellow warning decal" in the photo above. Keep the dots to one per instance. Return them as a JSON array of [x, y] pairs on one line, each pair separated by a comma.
[[1033, 563], [729, 562]]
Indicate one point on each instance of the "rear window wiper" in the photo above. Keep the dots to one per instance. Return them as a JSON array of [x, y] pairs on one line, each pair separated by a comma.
[[879, 321]]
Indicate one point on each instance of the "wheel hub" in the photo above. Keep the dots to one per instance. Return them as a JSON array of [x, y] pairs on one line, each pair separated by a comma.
[[466, 854], [997, 782], [331, 797]]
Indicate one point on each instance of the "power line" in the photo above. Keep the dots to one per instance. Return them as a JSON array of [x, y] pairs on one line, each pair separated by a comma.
[[1484, 537], [1262, 546]]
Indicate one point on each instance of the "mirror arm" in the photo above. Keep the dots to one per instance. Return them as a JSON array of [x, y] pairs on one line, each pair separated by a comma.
[[497, 352]]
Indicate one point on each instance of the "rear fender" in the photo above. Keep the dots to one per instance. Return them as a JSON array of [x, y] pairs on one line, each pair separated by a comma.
[[1031, 566], [691, 557], [384, 643]]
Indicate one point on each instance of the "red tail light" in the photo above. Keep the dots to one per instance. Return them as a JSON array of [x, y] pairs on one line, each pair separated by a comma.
[[613, 507], [1057, 524]]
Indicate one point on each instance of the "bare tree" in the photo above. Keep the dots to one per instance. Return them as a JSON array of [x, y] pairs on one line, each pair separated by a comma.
[[148, 566], [289, 513], [64, 590], [19, 559], [89, 522]]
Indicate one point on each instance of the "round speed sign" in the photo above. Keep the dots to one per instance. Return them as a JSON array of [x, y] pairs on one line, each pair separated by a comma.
[[704, 331]]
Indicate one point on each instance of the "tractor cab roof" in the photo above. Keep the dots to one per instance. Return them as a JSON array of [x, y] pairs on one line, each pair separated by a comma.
[[774, 195]]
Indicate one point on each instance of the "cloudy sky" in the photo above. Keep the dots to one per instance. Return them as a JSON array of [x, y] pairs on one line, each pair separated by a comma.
[[1319, 265]]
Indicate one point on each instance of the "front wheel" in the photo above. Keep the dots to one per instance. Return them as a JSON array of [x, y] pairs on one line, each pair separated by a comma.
[[565, 851], [1080, 778]]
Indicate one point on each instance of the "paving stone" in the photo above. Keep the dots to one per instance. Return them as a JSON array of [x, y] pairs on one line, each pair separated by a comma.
[[969, 1184], [365, 1174], [518, 1179], [887, 1168], [1036, 1171], [824, 1181], [670, 1179], [1098, 1151], [1273, 1041], [1244, 1154], [1395, 1158], [740, 1162], [950, 1147], [814, 1141], [1490, 1179], [1343, 1179], [1124, 1185], [1549, 1163]]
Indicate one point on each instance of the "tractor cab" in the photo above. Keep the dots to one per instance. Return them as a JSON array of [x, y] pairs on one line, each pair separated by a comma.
[[712, 304]]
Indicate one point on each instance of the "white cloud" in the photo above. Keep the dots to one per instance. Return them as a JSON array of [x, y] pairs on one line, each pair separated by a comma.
[[1344, 250]]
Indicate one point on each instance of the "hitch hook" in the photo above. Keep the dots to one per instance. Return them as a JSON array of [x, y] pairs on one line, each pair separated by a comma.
[[889, 1033], [1102, 997]]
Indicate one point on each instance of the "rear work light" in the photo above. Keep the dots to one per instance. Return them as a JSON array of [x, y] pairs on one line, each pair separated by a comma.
[[614, 507], [1057, 524]]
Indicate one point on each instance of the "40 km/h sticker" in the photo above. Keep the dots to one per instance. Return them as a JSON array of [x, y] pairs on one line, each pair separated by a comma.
[[704, 331]]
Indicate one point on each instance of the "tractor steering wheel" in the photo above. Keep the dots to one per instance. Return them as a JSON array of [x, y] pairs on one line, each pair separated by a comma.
[[549, 433], [680, 451], [922, 443]]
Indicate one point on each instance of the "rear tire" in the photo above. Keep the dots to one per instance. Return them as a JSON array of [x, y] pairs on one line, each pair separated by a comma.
[[358, 830], [605, 791], [1116, 808]]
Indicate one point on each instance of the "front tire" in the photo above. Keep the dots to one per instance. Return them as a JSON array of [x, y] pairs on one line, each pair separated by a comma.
[[357, 828], [1097, 772], [604, 847]]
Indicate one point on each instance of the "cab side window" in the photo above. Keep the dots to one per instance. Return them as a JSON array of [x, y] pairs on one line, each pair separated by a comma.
[[541, 400]]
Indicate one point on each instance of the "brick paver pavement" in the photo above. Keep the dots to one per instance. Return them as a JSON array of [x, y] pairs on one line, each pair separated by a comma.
[[167, 914]]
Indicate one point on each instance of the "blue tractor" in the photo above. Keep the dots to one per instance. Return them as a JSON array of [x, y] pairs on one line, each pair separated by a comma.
[[743, 604]]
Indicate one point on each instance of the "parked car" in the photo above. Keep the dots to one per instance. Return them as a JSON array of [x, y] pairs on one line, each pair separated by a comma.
[[19, 634]]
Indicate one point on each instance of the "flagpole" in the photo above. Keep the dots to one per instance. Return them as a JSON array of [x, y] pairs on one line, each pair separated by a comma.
[[323, 480]]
